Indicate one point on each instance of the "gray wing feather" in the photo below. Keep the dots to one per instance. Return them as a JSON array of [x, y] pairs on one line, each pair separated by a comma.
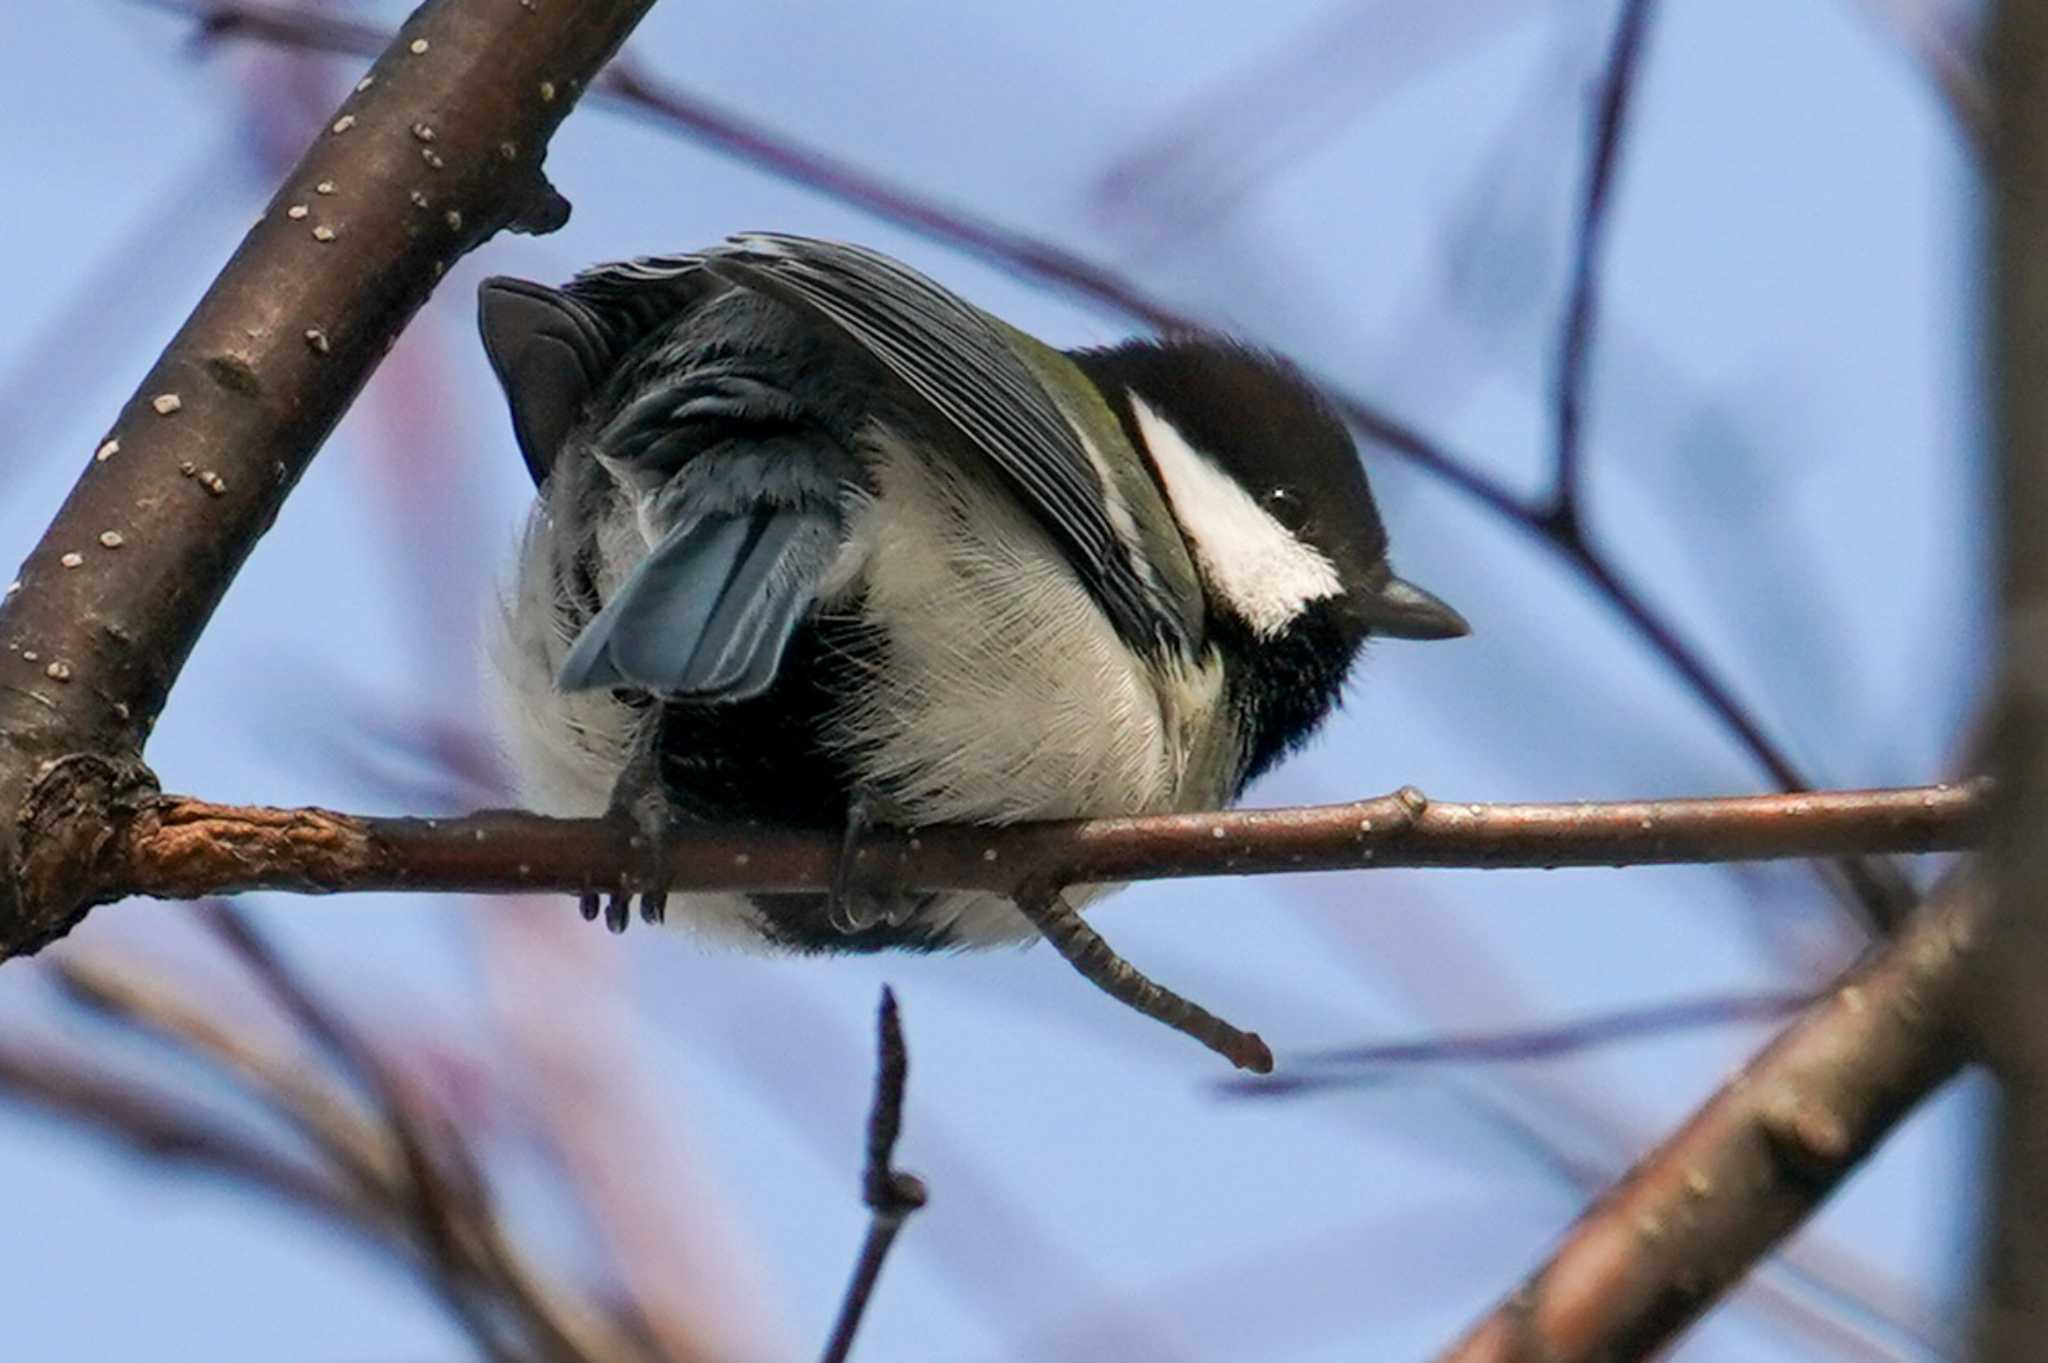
[[950, 356]]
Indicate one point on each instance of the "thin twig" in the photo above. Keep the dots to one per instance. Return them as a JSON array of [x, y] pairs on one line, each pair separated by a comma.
[[1754, 1162], [443, 1193], [1099, 964], [322, 1110], [368, 1155], [1878, 888], [1571, 1038], [170, 1128], [891, 1195], [1582, 308]]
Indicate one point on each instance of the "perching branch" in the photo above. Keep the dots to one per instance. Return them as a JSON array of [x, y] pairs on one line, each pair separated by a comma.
[[891, 1195], [180, 848], [438, 148], [186, 849], [1696, 1213]]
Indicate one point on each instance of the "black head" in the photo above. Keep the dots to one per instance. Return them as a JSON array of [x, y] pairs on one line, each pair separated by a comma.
[[1264, 479], [1267, 488]]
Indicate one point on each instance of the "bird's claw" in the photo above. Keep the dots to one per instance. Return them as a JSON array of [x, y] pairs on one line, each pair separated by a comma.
[[637, 802], [840, 909]]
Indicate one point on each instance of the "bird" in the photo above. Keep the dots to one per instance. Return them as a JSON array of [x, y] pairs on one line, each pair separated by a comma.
[[817, 542]]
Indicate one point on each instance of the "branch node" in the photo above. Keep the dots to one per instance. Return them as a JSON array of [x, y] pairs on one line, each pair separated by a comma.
[[542, 208], [1806, 1139], [69, 833]]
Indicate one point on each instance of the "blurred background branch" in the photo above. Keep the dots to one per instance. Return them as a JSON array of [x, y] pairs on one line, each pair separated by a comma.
[[1700, 1210], [398, 1172]]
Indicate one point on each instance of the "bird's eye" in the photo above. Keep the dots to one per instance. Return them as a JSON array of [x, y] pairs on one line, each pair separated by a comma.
[[1285, 506]]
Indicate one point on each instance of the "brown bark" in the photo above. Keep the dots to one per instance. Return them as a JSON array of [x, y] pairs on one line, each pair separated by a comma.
[[437, 148], [1698, 1212], [2010, 1017], [179, 848]]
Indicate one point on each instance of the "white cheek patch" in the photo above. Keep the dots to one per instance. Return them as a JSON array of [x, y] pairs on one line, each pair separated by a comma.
[[1249, 558]]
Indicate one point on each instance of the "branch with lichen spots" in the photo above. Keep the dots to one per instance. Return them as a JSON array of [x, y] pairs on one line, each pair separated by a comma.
[[436, 149]]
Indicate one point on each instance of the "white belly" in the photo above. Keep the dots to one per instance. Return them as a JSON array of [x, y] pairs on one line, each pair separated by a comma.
[[999, 692]]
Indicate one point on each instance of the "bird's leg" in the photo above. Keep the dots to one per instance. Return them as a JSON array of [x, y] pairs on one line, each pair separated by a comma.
[[639, 801], [1049, 912], [839, 908]]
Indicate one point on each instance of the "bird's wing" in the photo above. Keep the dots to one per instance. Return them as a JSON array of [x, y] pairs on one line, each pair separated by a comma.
[[553, 348], [958, 363]]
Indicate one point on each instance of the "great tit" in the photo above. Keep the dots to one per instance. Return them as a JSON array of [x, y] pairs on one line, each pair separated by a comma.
[[818, 540]]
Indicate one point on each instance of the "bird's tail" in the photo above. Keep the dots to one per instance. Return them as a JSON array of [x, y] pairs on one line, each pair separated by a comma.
[[708, 614]]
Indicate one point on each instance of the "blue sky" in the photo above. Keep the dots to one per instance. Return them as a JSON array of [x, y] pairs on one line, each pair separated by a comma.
[[1783, 452]]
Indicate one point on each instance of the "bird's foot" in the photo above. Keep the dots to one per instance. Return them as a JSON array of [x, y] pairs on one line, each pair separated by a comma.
[[842, 910], [640, 804], [849, 910]]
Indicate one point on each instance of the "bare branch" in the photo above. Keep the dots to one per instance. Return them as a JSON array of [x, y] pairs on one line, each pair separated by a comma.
[[890, 1194], [1698, 1211], [2009, 1018], [319, 1108], [1098, 963], [1521, 1044], [1582, 308], [386, 1175], [180, 848], [440, 1189], [437, 149], [169, 1128]]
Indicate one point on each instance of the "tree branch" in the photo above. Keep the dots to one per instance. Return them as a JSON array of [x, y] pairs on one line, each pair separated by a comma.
[[1582, 305], [437, 149], [180, 848], [2009, 1020], [1751, 1165], [891, 1195], [371, 1161]]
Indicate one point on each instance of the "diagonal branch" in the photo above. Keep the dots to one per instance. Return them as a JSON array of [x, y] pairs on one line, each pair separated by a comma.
[[438, 148], [1696, 1213]]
